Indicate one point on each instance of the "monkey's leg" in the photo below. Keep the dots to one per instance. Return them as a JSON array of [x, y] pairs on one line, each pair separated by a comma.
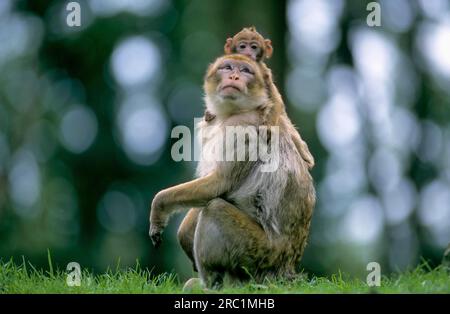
[[186, 233], [228, 241]]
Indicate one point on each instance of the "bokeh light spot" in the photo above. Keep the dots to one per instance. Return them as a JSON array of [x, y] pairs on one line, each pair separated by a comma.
[[135, 61], [143, 128], [78, 128], [25, 182], [116, 212]]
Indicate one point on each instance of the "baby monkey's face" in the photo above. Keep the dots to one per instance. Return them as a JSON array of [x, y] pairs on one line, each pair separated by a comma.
[[249, 48], [250, 43]]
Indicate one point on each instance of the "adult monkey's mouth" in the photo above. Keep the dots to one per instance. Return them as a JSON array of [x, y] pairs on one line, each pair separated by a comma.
[[231, 86]]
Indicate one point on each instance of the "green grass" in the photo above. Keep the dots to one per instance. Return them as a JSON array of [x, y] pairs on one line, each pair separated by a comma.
[[25, 278]]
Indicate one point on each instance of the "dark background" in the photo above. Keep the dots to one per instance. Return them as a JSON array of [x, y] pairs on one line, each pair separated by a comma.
[[86, 114]]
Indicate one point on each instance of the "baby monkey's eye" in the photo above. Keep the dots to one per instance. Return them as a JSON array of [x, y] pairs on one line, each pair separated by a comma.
[[242, 46], [254, 47]]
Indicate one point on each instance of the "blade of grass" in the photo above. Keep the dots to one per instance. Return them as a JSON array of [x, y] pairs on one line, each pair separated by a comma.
[[50, 265]]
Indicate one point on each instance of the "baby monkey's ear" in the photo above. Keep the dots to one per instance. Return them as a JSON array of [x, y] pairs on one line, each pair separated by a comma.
[[228, 48], [268, 48]]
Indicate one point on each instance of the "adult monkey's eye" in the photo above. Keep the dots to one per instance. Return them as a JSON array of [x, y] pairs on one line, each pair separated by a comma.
[[225, 67], [246, 70]]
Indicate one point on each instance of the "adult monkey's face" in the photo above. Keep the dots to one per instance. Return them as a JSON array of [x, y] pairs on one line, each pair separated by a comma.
[[234, 83]]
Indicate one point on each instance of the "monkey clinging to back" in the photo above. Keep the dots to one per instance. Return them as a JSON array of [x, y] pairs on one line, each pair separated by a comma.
[[251, 43]]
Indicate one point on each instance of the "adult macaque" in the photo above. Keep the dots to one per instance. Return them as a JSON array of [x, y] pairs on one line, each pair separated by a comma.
[[246, 222], [251, 43]]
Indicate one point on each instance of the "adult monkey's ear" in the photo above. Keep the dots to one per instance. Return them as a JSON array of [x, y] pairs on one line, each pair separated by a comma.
[[228, 46], [268, 48]]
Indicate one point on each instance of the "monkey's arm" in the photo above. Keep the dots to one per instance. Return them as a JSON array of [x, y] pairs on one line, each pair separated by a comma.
[[195, 193], [299, 143], [303, 149], [276, 111]]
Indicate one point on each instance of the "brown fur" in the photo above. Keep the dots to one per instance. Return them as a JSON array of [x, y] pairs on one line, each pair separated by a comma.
[[246, 223]]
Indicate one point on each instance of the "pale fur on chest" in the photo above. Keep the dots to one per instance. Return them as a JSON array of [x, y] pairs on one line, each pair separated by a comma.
[[258, 194], [212, 136]]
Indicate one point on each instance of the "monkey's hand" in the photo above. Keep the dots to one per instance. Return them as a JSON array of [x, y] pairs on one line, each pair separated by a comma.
[[158, 220], [156, 237], [196, 193]]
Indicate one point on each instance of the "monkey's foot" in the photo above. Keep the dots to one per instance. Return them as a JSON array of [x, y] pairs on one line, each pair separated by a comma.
[[192, 285]]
